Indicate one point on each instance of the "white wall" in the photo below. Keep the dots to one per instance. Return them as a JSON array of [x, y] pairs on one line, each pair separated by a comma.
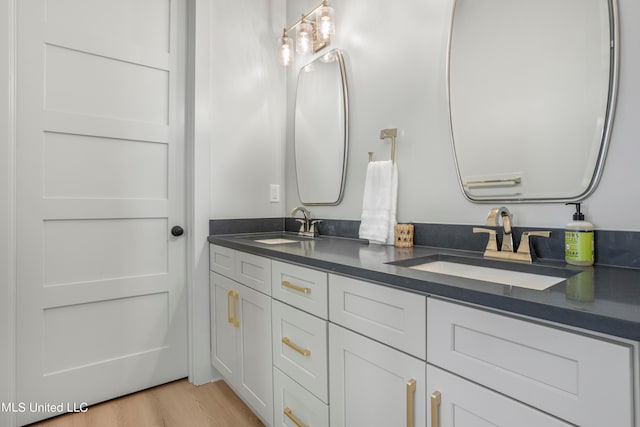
[[396, 54], [198, 153], [7, 279], [248, 115]]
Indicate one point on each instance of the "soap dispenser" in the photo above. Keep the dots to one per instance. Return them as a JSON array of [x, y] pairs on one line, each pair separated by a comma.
[[579, 241]]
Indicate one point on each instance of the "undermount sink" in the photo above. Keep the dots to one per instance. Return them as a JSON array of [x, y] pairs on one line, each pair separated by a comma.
[[279, 238], [517, 275], [275, 241], [494, 275]]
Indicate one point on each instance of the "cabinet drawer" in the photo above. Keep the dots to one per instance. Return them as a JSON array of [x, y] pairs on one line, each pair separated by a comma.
[[222, 260], [396, 318], [300, 287], [300, 347], [291, 401], [581, 379], [253, 271]]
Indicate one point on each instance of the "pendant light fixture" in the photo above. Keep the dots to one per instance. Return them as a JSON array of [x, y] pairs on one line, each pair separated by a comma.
[[325, 23], [304, 37], [286, 50]]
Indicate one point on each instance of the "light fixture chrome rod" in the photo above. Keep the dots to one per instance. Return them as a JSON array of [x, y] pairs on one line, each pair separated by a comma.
[[304, 16]]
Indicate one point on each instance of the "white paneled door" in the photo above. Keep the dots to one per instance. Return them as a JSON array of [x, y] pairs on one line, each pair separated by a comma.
[[101, 298]]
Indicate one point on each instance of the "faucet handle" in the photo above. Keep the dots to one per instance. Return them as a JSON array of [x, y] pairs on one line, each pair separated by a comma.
[[312, 228], [492, 244], [303, 225], [525, 247]]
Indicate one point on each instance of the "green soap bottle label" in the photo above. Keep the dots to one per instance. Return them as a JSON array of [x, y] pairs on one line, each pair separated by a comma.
[[579, 245]]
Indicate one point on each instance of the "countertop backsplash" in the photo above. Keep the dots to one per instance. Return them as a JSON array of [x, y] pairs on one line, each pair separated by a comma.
[[613, 248]]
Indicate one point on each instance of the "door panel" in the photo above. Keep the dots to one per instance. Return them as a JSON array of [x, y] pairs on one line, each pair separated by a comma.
[[369, 383], [96, 20], [145, 317], [86, 250], [90, 172], [101, 297], [225, 350], [256, 382], [75, 83], [463, 403]]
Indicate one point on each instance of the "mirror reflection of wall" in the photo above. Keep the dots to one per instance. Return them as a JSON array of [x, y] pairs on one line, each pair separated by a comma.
[[321, 130], [531, 96]]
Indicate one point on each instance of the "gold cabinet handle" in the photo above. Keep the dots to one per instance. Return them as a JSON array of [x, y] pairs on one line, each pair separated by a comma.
[[232, 303], [229, 298], [292, 417], [303, 351], [411, 390], [236, 323], [436, 398], [290, 285]]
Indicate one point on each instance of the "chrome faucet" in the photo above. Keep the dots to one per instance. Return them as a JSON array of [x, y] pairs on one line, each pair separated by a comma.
[[307, 225], [507, 250]]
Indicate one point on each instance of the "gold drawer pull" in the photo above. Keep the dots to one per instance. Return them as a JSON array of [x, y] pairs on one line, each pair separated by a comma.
[[290, 285], [236, 323], [229, 298], [411, 389], [232, 307], [290, 415], [436, 398], [286, 341]]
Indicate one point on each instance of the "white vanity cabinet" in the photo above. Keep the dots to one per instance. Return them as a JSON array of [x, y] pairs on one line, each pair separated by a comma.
[[581, 379], [371, 383], [241, 326], [299, 334], [304, 347]]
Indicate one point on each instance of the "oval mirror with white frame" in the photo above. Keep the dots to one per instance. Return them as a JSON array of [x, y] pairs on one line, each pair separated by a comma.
[[321, 130], [531, 88]]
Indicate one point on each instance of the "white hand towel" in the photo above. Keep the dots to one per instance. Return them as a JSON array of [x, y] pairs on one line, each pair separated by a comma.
[[379, 202]]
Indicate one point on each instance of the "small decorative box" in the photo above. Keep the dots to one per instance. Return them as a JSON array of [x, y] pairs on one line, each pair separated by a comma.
[[403, 235]]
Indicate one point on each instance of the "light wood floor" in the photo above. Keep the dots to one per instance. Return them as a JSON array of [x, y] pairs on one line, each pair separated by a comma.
[[176, 404]]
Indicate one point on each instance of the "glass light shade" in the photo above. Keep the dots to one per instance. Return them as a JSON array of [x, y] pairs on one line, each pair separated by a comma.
[[304, 38], [325, 24], [286, 51]]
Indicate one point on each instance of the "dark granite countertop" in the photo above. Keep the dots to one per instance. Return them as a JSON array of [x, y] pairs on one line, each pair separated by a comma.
[[600, 299]]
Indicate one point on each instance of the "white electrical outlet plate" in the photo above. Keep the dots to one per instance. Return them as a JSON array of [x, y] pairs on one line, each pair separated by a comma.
[[274, 193]]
